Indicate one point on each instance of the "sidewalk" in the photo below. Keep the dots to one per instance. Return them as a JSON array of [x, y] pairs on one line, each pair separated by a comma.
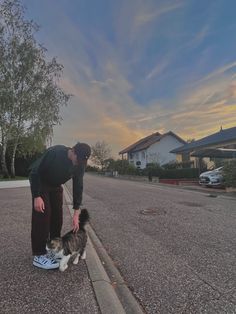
[[25, 288]]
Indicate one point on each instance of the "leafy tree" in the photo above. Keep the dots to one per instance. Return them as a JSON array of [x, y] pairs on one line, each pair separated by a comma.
[[30, 97], [122, 166], [109, 164], [100, 153], [229, 172]]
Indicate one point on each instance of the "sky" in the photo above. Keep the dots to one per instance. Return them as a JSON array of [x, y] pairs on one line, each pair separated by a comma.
[[136, 67]]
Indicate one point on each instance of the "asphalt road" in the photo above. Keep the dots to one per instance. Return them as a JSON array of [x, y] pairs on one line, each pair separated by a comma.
[[179, 257]]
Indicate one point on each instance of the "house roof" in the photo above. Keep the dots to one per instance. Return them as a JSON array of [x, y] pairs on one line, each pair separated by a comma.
[[215, 152], [222, 136], [147, 141]]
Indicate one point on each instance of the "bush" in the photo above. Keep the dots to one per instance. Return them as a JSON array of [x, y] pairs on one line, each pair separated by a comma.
[[129, 169], [152, 169], [186, 173], [229, 172], [155, 170], [22, 164], [178, 165], [91, 169], [122, 166]]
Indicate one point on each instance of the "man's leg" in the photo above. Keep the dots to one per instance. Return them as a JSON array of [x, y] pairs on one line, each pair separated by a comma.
[[56, 201], [41, 226]]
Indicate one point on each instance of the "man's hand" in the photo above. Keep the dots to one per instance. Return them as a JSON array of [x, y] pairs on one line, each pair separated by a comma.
[[75, 220], [39, 204]]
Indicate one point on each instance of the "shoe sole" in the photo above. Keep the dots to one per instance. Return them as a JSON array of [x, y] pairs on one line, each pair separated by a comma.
[[54, 266]]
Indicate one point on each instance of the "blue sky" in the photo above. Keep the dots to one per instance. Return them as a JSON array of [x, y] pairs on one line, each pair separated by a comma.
[[140, 66]]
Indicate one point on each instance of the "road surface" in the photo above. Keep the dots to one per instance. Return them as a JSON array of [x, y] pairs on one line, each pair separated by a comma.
[[175, 248]]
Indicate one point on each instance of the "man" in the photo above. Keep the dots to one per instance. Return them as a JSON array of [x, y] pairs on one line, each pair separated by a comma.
[[56, 166]]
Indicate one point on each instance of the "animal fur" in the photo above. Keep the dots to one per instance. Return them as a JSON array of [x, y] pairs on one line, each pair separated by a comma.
[[71, 244]]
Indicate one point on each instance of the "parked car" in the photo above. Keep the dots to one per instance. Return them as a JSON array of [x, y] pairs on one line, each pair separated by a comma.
[[212, 178]]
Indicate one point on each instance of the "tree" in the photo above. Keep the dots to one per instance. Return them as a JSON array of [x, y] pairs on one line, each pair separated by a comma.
[[124, 167], [30, 97], [100, 153]]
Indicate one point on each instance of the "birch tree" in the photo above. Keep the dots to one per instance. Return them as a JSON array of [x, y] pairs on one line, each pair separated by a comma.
[[30, 96]]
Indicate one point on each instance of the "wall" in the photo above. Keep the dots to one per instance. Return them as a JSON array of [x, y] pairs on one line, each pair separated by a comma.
[[138, 157], [160, 151]]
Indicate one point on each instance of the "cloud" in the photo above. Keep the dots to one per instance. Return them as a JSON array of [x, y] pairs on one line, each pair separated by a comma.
[[104, 70], [93, 115], [106, 111], [102, 83], [147, 15], [159, 68], [198, 110], [222, 70]]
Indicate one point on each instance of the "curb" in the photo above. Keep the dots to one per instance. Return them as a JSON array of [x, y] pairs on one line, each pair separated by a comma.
[[113, 296], [128, 301]]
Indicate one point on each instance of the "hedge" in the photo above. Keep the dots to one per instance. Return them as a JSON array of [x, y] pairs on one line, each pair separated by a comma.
[[186, 173], [229, 173]]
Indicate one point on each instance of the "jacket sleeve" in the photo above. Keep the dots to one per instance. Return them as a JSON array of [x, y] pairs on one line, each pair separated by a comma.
[[37, 168], [77, 180]]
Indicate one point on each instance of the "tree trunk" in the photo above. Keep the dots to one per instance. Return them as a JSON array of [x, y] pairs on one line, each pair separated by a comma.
[[13, 158], [5, 172]]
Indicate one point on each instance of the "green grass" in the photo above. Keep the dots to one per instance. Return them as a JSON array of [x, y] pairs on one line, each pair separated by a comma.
[[13, 179]]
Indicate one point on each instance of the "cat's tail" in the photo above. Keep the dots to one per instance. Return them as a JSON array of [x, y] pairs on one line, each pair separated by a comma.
[[83, 218]]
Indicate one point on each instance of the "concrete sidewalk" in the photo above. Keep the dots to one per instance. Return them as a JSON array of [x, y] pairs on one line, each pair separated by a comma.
[[14, 184], [25, 288]]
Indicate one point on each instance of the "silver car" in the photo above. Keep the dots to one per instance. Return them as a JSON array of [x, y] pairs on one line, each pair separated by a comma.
[[212, 178]]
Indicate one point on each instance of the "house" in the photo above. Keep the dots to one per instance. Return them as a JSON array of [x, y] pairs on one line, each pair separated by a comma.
[[221, 144], [154, 148]]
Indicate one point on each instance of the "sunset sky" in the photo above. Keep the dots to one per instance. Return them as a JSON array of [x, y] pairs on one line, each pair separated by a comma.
[[140, 66]]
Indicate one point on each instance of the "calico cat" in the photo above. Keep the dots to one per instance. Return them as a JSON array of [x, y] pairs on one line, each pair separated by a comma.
[[71, 244]]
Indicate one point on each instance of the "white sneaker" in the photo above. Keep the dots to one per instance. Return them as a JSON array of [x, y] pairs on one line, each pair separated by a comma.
[[43, 261], [54, 256]]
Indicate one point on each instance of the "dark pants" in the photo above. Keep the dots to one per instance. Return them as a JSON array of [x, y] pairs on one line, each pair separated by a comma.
[[47, 225]]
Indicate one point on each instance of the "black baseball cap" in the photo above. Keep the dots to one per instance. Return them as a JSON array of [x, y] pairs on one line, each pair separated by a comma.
[[83, 152]]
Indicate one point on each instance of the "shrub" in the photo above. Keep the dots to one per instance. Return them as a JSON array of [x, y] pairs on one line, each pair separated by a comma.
[[229, 172], [91, 169], [123, 167], [186, 173], [152, 169], [22, 164], [178, 165], [129, 169], [158, 171]]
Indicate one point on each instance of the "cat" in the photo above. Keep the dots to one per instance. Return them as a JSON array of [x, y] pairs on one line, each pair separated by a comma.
[[71, 244]]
